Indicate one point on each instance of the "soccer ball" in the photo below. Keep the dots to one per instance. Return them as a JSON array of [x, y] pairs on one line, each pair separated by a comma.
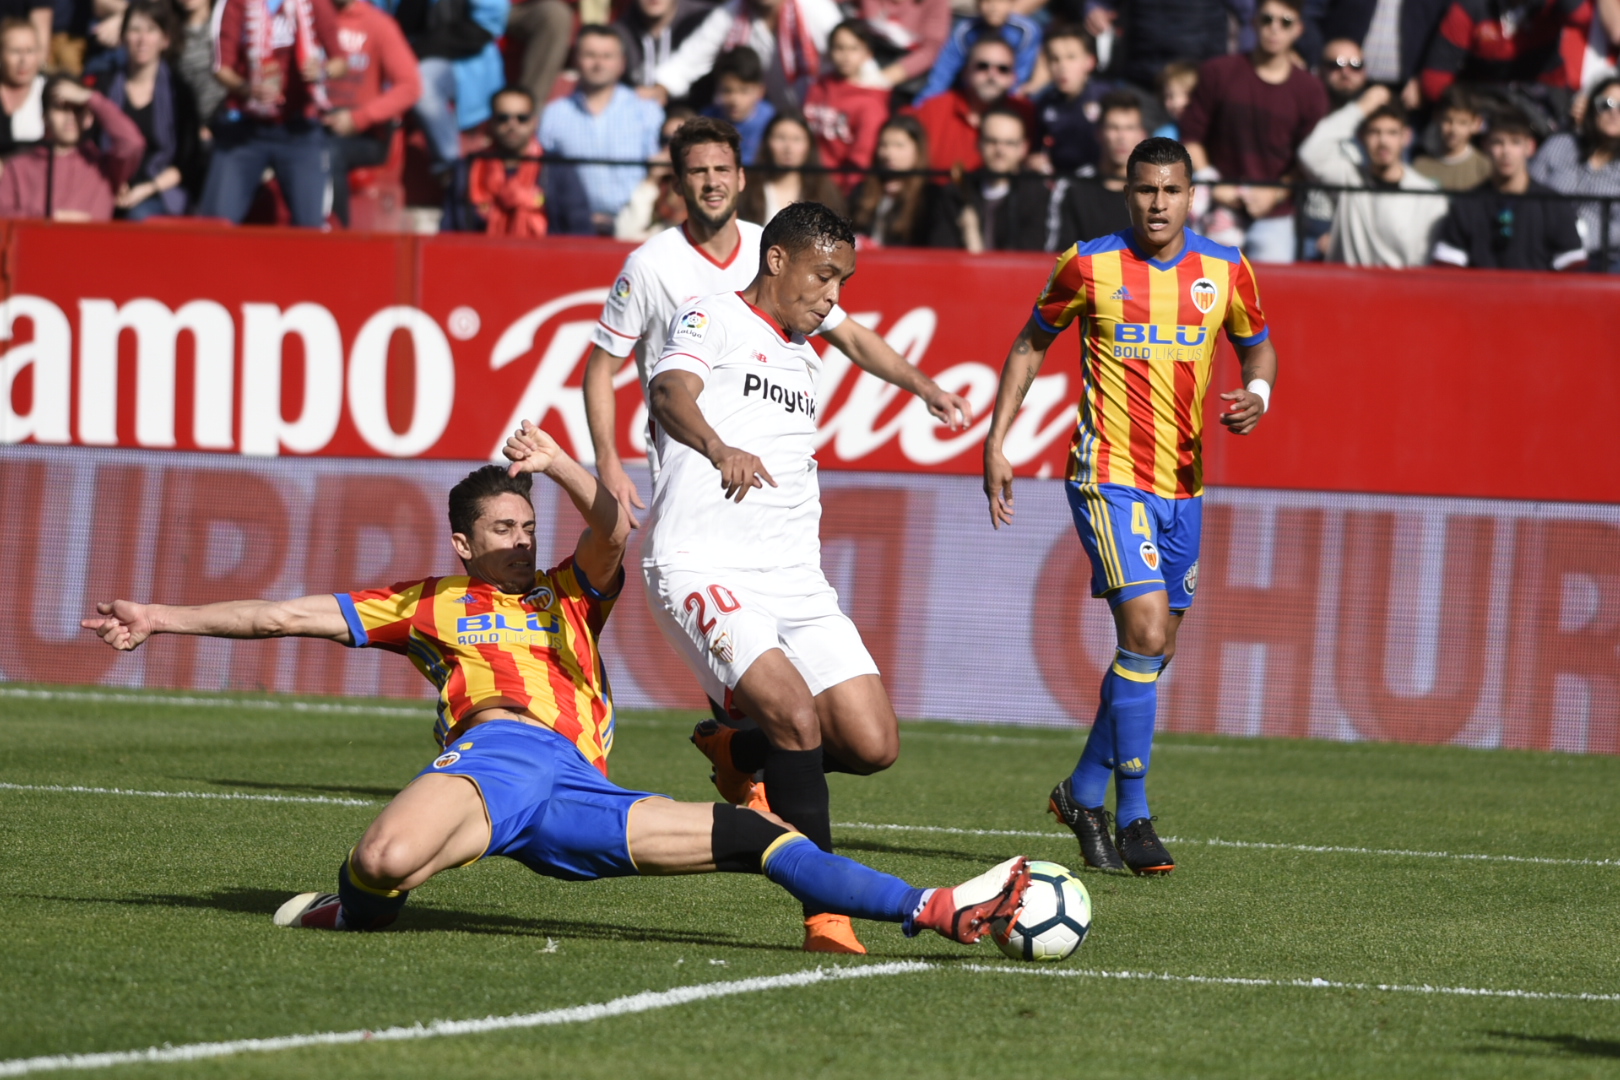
[[1055, 919]]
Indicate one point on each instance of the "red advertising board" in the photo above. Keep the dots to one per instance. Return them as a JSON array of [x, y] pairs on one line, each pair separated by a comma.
[[281, 343]]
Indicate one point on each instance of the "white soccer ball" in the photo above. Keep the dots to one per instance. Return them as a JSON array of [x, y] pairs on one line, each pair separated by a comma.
[[1055, 919]]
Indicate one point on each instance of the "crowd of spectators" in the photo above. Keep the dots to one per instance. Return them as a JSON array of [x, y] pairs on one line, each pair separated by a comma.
[[1371, 132]]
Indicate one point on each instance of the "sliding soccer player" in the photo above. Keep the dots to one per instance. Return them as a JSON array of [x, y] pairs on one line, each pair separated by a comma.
[[1151, 300], [526, 723]]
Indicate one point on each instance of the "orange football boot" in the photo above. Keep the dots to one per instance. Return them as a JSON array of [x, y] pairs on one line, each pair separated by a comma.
[[734, 785], [831, 934]]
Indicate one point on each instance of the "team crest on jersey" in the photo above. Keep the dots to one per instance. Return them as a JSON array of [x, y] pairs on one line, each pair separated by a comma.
[[542, 597], [621, 288], [444, 761], [1190, 581], [692, 326], [721, 647], [1150, 555], [1204, 295]]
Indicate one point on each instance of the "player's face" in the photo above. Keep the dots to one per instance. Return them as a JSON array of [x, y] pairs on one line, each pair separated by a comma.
[[1385, 139], [808, 282], [711, 183], [1159, 198], [500, 547]]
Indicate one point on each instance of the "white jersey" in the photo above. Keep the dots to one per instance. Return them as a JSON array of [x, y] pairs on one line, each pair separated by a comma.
[[662, 276], [759, 395]]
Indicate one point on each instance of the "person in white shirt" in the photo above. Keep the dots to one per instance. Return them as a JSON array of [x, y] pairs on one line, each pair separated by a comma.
[[790, 36], [733, 562]]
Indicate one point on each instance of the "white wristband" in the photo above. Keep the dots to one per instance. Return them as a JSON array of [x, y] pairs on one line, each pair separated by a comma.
[[1262, 390]]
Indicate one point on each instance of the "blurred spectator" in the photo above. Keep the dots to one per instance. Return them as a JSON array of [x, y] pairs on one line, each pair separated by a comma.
[[1149, 34], [847, 107], [1094, 205], [509, 190], [603, 119], [789, 36], [1509, 42], [1498, 228], [656, 204], [1244, 122], [1066, 110], [194, 59], [1002, 206], [1344, 72], [952, 118], [739, 98], [1394, 35], [1176, 83], [893, 210], [22, 87], [652, 30], [778, 178], [69, 178], [1361, 146], [912, 32], [365, 115], [160, 105], [543, 30], [1588, 163], [37, 14], [462, 70], [995, 18], [1460, 167], [268, 62]]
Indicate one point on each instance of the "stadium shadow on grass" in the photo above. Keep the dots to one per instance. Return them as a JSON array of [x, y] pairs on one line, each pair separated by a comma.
[[1559, 1045], [238, 901], [439, 920], [330, 789], [872, 846]]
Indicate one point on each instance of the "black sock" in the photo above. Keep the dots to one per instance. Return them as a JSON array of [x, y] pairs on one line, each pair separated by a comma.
[[832, 764], [749, 749], [797, 789]]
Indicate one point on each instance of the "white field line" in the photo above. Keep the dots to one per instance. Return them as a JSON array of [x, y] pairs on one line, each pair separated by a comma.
[[651, 1000], [1315, 849], [229, 796], [634, 1003], [1306, 984], [99, 698]]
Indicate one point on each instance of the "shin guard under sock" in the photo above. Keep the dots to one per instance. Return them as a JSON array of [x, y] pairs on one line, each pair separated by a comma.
[[798, 793], [366, 907], [1096, 765], [822, 881], [1134, 703], [749, 748]]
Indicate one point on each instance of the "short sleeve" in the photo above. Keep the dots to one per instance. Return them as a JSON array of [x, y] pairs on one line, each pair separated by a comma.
[[575, 590], [1245, 319], [381, 618], [695, 343], [1064, 298], [624, 314]]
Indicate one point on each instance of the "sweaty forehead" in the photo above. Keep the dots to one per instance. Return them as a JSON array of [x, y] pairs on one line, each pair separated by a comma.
[[824, 252]]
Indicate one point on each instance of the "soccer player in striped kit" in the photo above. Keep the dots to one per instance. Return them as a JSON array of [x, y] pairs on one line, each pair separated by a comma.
[[1151, 300]]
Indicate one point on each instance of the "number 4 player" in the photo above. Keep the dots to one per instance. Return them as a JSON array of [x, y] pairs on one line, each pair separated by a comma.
[[1151, 298]]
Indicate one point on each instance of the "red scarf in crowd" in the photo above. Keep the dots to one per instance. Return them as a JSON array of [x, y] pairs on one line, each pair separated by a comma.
[[260, 29], [794, 44]]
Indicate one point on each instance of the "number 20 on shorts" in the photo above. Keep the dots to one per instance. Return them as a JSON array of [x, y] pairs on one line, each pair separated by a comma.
[[723, 600]]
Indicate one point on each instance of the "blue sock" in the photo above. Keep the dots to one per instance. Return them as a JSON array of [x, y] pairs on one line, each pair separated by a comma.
[[1096, 765], [364, 907], [1134, 704], [820, 879]]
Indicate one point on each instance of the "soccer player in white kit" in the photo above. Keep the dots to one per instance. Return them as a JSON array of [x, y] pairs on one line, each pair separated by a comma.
[[733, 562]]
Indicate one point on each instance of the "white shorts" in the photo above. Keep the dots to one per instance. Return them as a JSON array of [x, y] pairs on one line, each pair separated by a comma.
[[721, 621]]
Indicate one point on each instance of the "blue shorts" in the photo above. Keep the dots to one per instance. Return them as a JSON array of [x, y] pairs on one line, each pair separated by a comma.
[[548, 807], [1138, 542]]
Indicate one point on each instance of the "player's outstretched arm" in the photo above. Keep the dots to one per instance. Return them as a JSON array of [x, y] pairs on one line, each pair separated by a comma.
[[600, 551], [601, 414], [124, 624], [867, 349], [1246, 406], [672, 400], [1024, 362]]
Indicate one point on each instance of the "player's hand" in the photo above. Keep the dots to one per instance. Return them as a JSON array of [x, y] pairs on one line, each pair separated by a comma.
[[1244, 412], [998, 481], [739, 471], [612, 476], [530, 450], [952, 410], [123, 624]]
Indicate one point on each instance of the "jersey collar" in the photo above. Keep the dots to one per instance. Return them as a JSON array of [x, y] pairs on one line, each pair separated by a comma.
[[734, 251], [1171, 264], [767, 320]]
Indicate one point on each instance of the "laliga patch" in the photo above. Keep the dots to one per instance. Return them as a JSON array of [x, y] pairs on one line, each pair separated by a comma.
[[721, 647], [621, 288], [1150, 555], [1190, 580], [1204, 294], [541, 598], [693, 326], [444, 761]]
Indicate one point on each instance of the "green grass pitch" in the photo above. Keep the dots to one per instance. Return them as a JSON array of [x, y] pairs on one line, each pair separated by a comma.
[[133, 921]]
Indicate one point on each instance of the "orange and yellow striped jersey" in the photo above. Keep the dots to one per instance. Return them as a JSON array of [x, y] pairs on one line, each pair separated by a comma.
[[1147, 349], [474, 642]]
